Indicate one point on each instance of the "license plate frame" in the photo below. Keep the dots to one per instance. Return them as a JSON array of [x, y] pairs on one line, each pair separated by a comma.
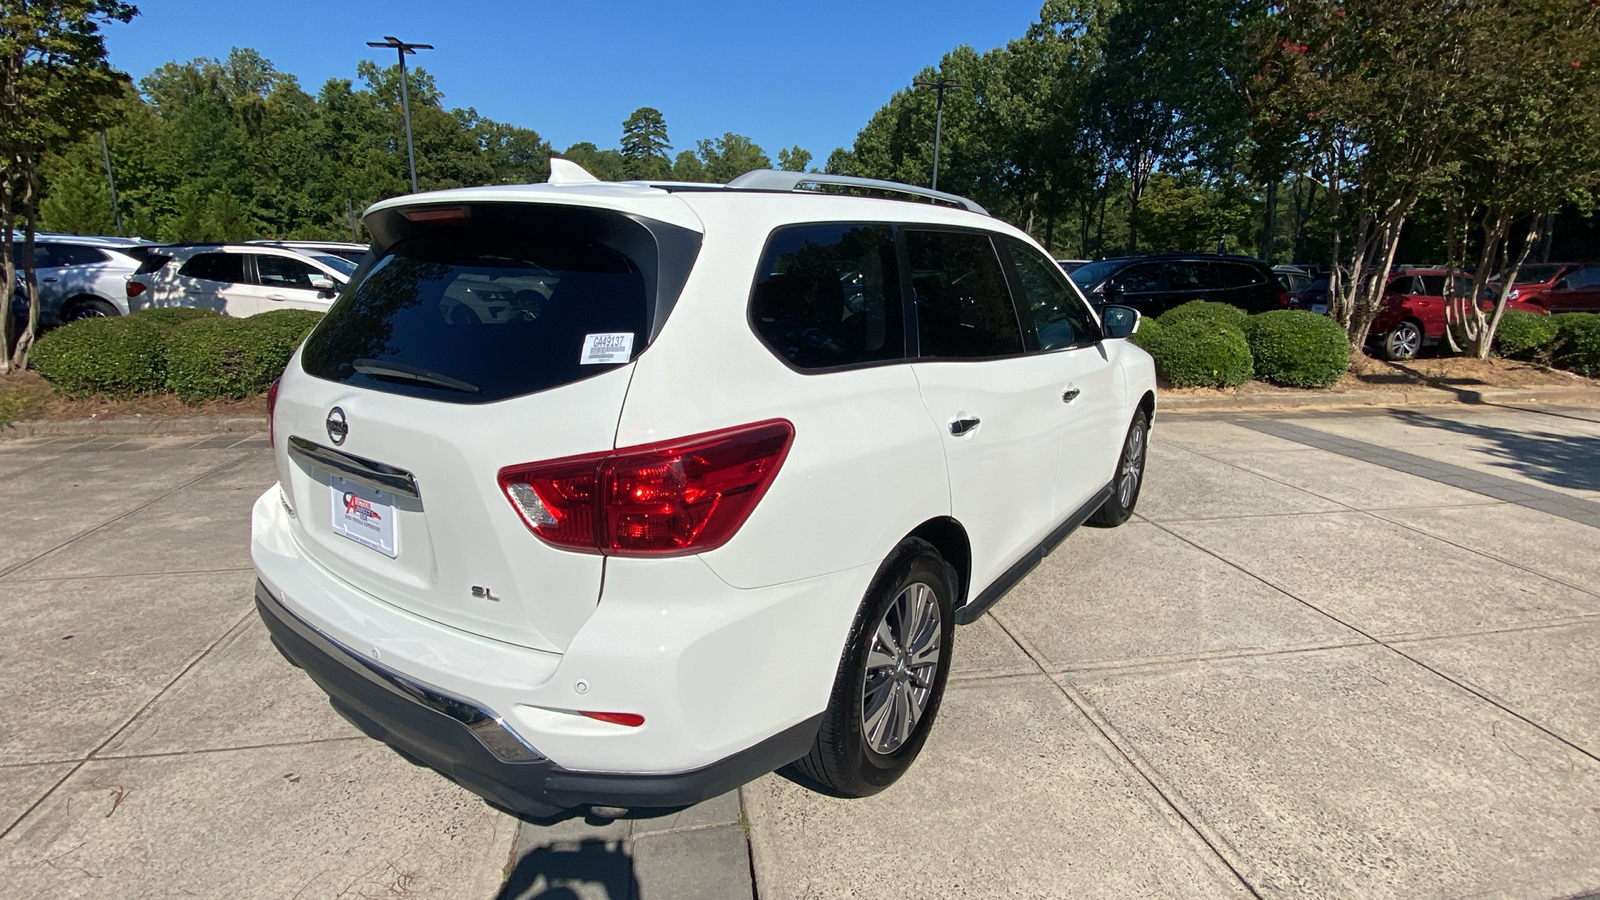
[[364, 515]]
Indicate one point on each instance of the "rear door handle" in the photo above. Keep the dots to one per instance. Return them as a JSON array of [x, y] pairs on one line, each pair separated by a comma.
[[276, 297], [958, 427], [1070, 395]]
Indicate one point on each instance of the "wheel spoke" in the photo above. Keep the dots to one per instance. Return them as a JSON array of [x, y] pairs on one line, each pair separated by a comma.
[[878, 660], [886, 636], [904, 716], [873, 722]]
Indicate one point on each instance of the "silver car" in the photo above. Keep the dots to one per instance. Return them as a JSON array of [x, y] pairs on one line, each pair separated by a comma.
[[83, 277]]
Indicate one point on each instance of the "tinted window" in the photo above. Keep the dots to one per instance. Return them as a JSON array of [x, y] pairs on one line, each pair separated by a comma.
[[228, 267], [152, 262], [1143, 278], [281, 271], [829, 295], [337, 263], [1402, 285], [1059, 317], [519, 300], [1588, 276], [1092, 274], [54, 256], [1189, 275], [964, 307], [1432, 285], [1238, 275], [1536, 274]]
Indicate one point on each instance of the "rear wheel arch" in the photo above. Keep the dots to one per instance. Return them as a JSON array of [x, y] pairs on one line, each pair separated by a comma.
[[949, 538]]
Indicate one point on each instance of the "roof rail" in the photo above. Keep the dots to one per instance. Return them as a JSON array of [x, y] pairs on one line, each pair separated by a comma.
[[773, 180]]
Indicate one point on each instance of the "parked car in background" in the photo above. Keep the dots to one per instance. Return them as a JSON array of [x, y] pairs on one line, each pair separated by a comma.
[[82, 277], [233, 279], [706, 497], [1294, 278], [343, 249], [1155, 284], [1071, 265], [1413, 313], [1556, 287]]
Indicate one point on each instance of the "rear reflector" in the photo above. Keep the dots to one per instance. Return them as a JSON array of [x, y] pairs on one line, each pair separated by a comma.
[[436, 214], [134, 289], [272, 410], [678, 497], [632, 720]]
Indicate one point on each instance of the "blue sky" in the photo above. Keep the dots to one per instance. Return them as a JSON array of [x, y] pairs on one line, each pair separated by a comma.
[[784, 74]]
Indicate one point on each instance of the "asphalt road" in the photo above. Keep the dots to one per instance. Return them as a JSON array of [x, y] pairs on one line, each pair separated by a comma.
[[1335, 655]]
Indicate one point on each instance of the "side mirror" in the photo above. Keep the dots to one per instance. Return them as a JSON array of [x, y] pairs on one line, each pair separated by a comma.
[[1119, 321], [324, 284]]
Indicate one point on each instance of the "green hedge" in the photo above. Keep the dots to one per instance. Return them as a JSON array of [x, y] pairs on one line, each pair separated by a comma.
[[193, 353], [1525, 335], [1218, 313], [218, 357], [117, 357], [1148, 329], [1296, 348], [1577, 346], [1193, 352]]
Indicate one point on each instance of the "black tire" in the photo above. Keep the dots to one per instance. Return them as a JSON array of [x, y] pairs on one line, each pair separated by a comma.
[[88, 308], [1129, 480], [1403, 342], [844, 761]]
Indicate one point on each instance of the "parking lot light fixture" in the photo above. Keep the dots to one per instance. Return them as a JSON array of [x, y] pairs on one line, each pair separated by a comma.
[[939, 87], [402, 48]]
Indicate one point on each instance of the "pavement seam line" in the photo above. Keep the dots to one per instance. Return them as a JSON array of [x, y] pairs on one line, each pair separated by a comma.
[[168, 753], [130, 720], [83, 534], [48, 578], [1104, 729]]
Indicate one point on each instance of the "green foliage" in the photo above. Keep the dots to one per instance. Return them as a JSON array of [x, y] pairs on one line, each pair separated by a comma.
[[645, 144], [1149, 327], [118, 357], [794, 159], [1296, 348], [1526, 335], [1219, 313], [219, 357], [1577, 347], [730, 156], [1194, 352], [170, 317]]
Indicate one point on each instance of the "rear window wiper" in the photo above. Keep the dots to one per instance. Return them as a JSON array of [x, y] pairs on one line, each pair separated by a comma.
[[380, 369]]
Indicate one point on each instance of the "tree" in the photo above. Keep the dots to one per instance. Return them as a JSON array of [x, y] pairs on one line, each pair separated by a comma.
[[688, 167], [794, 159], [54, 82], [645, 145], [730, 156], [606, 165]]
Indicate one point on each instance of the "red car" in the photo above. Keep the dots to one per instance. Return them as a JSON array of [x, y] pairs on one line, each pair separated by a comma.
[[1557, 287], [1413, 317]]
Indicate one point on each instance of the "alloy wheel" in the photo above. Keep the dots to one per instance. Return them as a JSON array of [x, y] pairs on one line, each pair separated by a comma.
[[902, 663], [1132, 468], [1404, 341]]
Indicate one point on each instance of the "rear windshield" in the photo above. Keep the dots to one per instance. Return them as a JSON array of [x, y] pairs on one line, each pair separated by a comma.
[[507, 304]]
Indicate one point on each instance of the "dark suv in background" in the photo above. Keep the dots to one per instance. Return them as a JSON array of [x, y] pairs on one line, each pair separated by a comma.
[[1155, 284]]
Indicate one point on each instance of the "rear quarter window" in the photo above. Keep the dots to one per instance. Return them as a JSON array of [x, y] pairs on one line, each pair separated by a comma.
[[225, 267], [828, 295]]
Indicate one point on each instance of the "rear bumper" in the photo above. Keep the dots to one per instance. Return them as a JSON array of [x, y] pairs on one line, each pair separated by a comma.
[[455, 738]]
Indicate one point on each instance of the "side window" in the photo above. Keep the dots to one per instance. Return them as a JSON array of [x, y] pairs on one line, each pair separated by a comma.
[[1188, 275], [1401, 285], [1059, 317], [964, 307], [228, 267], [281, 271], [1238, 275], [829, 295], [45, 256], [1588, 276], [1143, 278], [1432, 285]]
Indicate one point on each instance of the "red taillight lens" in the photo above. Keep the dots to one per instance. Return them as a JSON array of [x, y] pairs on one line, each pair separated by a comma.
[[1283, 300], [272, 411], [134, 289], [632, 720], [685, 496]]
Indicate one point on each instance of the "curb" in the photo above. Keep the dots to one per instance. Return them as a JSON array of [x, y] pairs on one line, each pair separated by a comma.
[[134, 425], [1581, 396]]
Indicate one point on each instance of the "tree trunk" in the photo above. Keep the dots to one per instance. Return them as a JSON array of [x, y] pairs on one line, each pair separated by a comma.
[[8, 262], [1508, 279], [1269, 225], [30, 215]]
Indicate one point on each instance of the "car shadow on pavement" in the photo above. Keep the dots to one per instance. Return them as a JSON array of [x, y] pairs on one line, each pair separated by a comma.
[[1561, 460], [591, 867]]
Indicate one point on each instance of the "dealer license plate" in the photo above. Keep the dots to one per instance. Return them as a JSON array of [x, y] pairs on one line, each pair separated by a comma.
[[364, 515], [1320, 309]]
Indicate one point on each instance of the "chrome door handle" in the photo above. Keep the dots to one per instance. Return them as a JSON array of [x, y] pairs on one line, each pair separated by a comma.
[[1070, 395], [958, 427], [276, 297], [47, 280]]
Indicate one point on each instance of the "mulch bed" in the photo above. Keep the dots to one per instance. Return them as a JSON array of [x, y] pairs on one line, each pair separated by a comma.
[[1370, 374], [37, 401]]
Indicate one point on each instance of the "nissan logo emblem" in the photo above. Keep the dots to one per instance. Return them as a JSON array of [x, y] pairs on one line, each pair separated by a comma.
[[338, 428]]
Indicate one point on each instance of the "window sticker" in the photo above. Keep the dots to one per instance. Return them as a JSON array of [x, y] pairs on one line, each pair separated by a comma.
[[605, 349]]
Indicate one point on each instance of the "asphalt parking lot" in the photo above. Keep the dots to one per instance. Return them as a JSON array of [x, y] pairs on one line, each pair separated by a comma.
[[1337, 654]]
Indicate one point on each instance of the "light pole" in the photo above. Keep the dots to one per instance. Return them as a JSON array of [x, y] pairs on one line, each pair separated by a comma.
[[116, 211], [939, 87], [402, 48]]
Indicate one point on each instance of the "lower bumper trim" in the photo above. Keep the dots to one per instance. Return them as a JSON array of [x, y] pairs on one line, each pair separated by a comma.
[[371, 700]]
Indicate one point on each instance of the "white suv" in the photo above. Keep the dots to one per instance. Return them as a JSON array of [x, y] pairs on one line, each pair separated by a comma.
[[235, 279], [626, 494]]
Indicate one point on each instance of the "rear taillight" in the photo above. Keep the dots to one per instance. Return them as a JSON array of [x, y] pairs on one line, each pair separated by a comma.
[[1283, 300], [684, 496], [272, 409], [134, 288]]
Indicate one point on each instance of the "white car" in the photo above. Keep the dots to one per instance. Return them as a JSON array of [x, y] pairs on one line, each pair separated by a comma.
[[625, 494], [233, 279], [346, 250], [82, 277]]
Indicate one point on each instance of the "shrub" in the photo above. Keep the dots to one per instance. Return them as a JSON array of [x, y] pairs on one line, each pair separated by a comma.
[[217, 357], [1219, 313], [118, 357], [170, 317], [1196, 353], [1297, 348], [1525, 335], [1577, 347], [1146, 333]]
